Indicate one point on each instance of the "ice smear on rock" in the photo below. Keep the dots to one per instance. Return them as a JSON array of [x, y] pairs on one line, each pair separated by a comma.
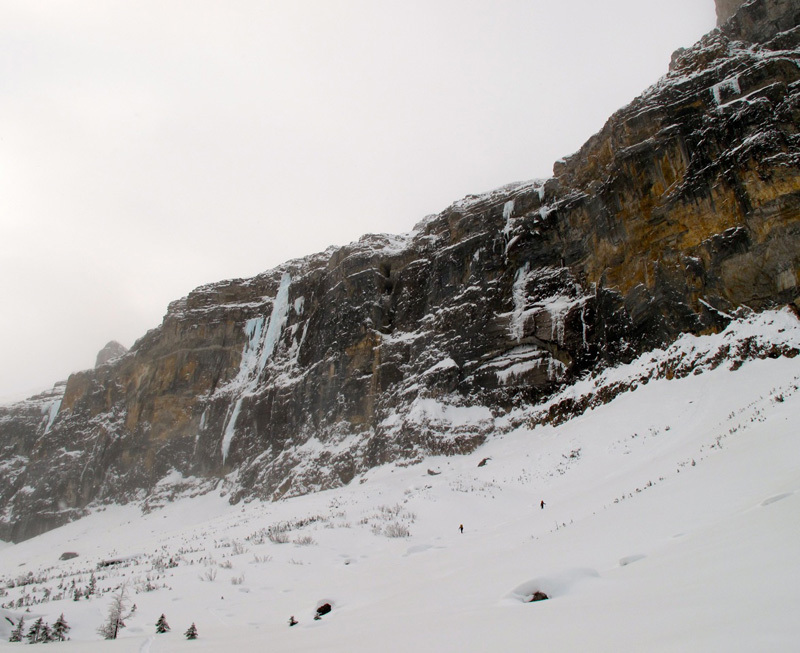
[[258, 349]]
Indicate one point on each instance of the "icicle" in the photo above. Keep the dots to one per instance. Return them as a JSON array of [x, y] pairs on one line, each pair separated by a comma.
[[517, 326]]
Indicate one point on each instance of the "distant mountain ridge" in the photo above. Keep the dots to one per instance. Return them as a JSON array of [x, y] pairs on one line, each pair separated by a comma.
[[679, 215]]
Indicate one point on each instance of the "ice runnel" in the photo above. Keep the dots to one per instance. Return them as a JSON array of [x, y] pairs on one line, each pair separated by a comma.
[[258, 349]]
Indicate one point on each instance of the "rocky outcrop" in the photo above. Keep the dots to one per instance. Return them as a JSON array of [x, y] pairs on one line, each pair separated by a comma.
[[761, 20], [22, 425], [680, 212], [110, 352], [726, 9]]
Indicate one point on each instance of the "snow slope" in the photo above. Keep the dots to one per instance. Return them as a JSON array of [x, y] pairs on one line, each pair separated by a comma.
[[671, 523]]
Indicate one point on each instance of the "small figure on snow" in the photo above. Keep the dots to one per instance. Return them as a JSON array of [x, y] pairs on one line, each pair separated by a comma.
[[292, 621], [461, 528], [542, 504]]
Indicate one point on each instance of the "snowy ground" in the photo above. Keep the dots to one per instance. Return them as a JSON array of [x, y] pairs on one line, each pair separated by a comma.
[[672, 523]]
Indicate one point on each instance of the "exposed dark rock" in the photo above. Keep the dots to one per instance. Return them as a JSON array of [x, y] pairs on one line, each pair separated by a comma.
[[758, 20], [68, 555], [680, 211], [726, 9], [538, 596]]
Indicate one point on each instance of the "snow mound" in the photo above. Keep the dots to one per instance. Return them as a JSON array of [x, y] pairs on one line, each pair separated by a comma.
[[553, 585]]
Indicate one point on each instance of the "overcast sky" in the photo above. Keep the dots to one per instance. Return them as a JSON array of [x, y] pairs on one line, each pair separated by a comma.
[[149, 147]]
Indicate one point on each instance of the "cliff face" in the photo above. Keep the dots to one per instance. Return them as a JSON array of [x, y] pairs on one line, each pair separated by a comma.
[[726, 9], [681, 211]]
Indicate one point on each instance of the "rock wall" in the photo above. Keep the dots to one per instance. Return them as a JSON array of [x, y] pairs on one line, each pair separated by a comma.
[[761, 20], [680, 212], [726, 9]]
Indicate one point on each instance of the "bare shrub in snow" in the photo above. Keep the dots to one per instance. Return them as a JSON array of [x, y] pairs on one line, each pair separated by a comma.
[[277, 533], [396, 529], [237, 580], [305, 540], [391, 521], [146, 584], [259, 537], [237, 548], [278, 537], [210, 575], [391, 511], [257, 559]]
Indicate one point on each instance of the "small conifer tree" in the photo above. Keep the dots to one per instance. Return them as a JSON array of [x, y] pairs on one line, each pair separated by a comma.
[[16, 634], [161, 625], [46, 634], [191, 633], [60, 629], [34, 635]]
